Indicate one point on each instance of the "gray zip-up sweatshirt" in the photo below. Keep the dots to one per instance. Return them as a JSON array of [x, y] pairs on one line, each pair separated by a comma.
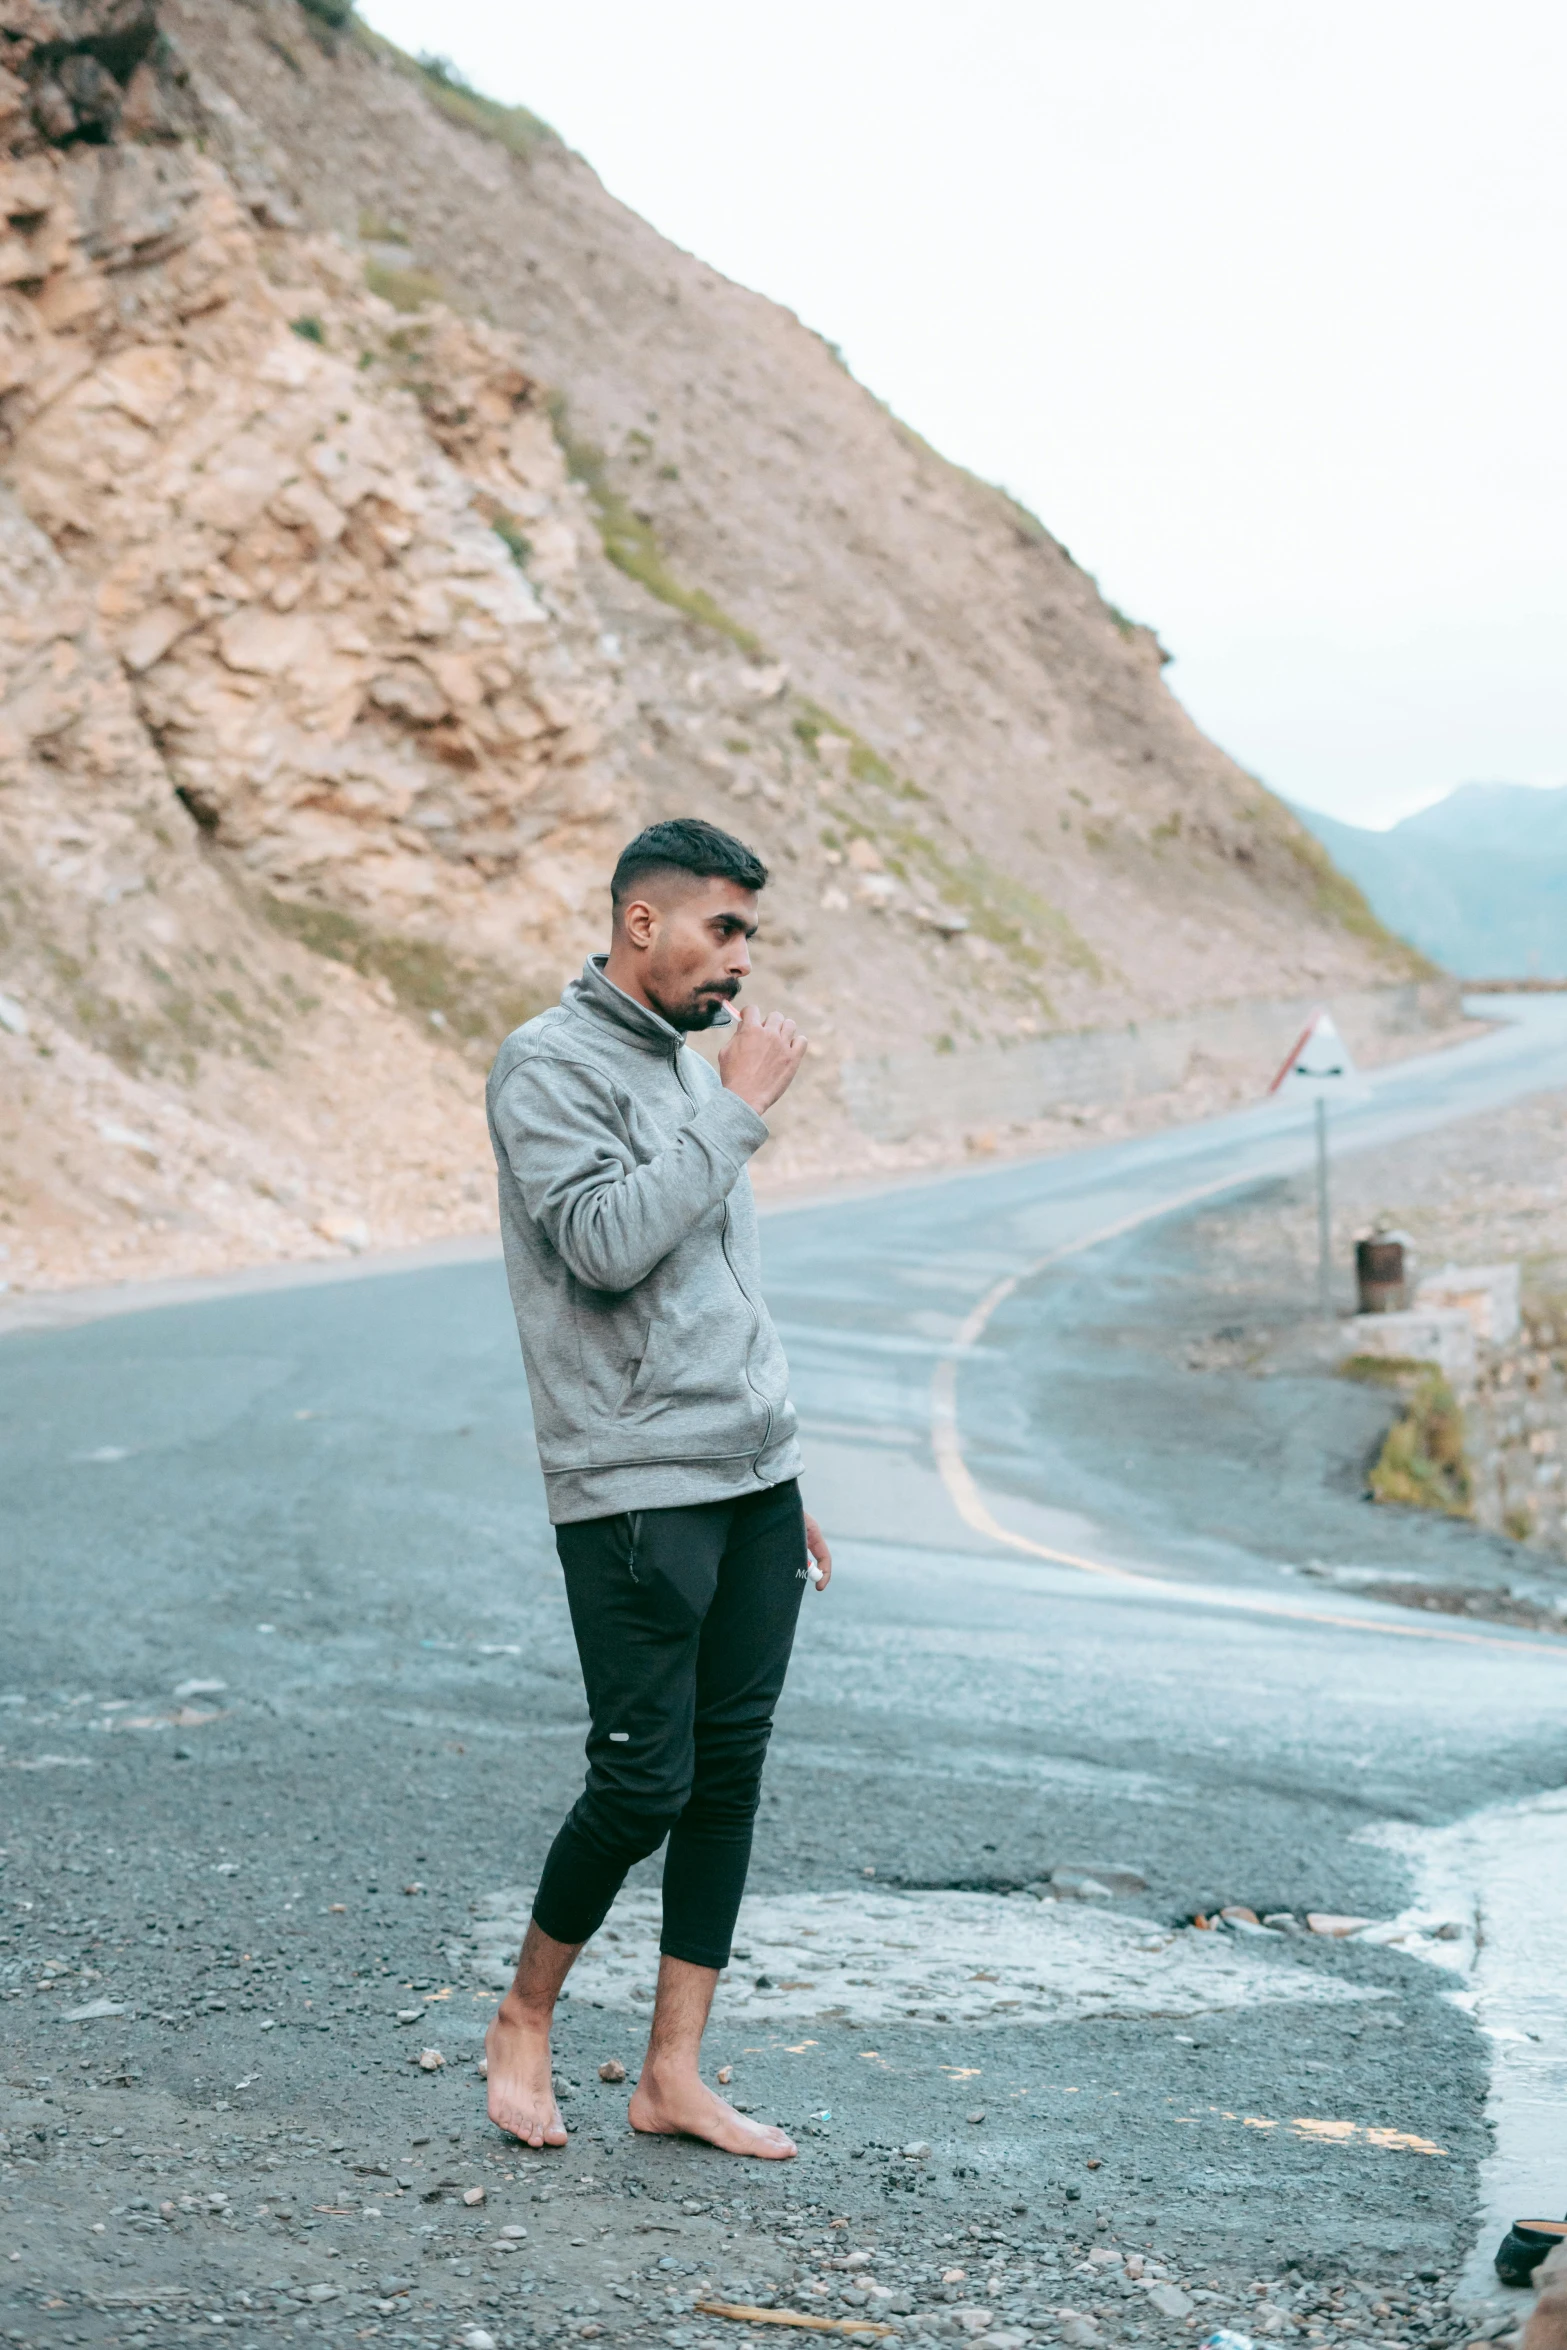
[[656, 1375]]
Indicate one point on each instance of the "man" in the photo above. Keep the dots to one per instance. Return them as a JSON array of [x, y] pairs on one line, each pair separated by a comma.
[[667, 1439]]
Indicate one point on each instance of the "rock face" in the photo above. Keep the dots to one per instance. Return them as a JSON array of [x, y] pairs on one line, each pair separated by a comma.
[[247, 599], [344, 635]]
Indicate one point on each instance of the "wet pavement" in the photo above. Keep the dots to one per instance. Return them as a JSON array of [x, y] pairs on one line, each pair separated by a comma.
[[291, 1712]]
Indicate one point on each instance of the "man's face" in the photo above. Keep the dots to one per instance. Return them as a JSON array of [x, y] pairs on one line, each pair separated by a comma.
[[693, 940]]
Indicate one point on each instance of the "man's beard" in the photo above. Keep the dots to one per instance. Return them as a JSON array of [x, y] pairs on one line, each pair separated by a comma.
[[702, 1010]]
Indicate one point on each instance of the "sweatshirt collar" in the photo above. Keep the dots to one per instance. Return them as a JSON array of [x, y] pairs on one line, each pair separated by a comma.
[[595, 994]]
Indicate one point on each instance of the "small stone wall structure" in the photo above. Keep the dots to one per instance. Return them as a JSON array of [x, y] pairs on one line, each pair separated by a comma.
[[1506, 1362], [1515, 1425]]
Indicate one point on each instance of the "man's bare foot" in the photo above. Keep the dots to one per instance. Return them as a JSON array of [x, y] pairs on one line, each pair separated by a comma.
[[684, 2106], [521, 2086]]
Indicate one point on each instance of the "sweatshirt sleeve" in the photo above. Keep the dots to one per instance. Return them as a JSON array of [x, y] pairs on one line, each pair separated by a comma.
[[611, 1219]]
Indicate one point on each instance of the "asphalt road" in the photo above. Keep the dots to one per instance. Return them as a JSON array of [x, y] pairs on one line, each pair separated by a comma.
[[322, 1501]]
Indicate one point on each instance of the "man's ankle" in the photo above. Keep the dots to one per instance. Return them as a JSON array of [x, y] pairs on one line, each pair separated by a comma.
[[669, 2066], [524, 2015]]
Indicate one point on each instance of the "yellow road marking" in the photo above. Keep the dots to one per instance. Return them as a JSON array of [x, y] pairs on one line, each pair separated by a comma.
[[974, 1510]]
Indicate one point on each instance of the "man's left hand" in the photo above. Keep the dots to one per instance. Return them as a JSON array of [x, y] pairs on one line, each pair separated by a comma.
[[816, 1545]]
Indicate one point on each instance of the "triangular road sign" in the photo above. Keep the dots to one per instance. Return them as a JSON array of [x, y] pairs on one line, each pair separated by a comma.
[[1319, 1061]]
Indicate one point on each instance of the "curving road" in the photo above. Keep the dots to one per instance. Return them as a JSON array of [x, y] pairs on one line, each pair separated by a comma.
[[982, 1369], [1070, 1628]]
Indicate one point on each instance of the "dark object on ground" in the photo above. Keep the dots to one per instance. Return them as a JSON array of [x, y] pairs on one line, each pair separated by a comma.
[[1525, 2245], [1379, 1273]]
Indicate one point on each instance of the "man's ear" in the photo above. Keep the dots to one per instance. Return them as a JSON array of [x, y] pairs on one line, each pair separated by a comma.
[[639, 921]]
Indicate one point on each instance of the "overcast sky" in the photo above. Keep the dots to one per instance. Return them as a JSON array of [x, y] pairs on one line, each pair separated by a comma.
[[1259, 307]]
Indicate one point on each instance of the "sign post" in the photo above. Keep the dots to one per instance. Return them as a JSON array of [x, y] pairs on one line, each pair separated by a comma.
[[1318, 1064], [1324, 1217]]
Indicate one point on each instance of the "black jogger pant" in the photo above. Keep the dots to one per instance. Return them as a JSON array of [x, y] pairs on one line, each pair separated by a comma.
[[684, 1621]]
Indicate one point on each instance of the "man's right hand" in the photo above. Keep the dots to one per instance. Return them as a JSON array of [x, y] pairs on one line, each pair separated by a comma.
[[760, 1059]]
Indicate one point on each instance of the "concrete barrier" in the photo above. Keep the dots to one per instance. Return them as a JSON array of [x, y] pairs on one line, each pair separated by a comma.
[[1488, 1294], [1443, 1335], [895, 1095]]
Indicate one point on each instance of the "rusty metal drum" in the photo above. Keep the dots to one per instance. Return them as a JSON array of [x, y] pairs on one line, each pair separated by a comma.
[[1380, 1274]]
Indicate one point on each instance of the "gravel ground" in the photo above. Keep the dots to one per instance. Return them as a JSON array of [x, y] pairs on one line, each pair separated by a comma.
[[322, 1500]]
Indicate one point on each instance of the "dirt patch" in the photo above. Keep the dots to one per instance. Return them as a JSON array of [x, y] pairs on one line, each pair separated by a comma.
[[1477, 1601]]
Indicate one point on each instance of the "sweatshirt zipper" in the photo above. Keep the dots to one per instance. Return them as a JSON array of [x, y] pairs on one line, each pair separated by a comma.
[[750, 1307]]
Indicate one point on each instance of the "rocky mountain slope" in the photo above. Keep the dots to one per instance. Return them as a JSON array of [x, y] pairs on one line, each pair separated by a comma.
[[391, 524]]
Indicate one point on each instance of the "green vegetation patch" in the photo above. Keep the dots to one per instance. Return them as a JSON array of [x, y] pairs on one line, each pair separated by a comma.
[[1335, 898], [165, 1036], [513, 538], [405, 289], [521, 132], [471, 997], [1025, 522], [632, 545], [1422, 1464], [1381, 1370], [865, 765], [996, 905], [1010, 914]]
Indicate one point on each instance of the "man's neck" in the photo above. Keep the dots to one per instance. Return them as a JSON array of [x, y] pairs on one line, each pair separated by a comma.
[[621, 971]]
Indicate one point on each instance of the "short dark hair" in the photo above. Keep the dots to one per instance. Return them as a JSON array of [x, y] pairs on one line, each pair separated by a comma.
[[685, 844]]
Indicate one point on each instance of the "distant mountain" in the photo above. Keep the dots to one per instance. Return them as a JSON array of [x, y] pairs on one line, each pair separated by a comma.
[[1478, 882]]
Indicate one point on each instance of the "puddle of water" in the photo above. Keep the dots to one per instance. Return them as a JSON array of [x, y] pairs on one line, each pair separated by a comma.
[[867, 1958], [1504, 1873]]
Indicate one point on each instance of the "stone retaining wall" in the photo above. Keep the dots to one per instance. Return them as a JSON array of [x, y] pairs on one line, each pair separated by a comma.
[[892, 1096]]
